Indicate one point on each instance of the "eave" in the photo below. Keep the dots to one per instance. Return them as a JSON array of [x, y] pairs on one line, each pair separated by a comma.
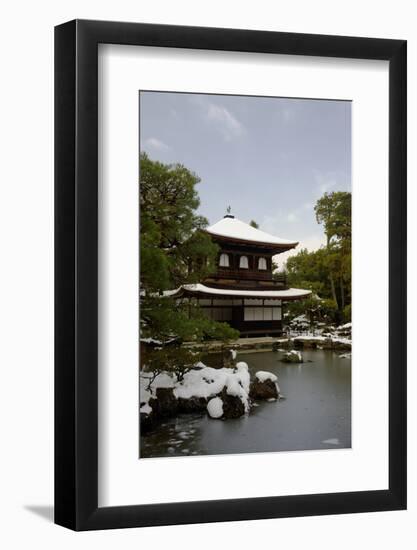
[[200, 290]]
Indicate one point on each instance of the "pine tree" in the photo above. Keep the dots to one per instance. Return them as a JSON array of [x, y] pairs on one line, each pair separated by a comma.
[[173, 251]]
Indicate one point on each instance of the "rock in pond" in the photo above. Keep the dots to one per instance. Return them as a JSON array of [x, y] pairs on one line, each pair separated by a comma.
[[225, 406], [264, 386], [147, 422], [191, 405], [293, 356], [215, 408], [233, 406], [165, 404]]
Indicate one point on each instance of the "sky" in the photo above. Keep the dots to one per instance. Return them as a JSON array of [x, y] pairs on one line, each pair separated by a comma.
[[269, 159]]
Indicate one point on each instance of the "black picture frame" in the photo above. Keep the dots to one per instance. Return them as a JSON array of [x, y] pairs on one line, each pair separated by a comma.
[[76, 272]]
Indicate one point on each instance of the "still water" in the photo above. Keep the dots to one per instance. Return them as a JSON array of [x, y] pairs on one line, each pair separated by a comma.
[[315, 414]]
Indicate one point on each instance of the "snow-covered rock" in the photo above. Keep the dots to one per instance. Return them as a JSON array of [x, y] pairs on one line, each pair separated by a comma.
[[215, 407], [233, 405], [203, 388], [262, 375], [345, 330], [225, 406], [209, 382], [322, 342], [191, 405], [264, 386], [165, 403]]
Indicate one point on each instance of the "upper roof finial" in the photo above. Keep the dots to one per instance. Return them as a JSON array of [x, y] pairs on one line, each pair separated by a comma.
[[228, 214]]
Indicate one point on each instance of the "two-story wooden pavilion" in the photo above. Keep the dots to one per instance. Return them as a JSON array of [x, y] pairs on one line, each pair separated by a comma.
[[243, 292]]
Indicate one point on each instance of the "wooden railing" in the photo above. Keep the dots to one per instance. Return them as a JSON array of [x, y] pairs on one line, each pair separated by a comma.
[[244, 274], [280, 278], [249, 282], [247, 274]]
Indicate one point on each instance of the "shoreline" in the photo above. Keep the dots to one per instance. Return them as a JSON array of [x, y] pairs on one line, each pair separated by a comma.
[[264, 344]]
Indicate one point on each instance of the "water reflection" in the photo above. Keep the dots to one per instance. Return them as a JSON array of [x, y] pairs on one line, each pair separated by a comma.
[[316, 413]]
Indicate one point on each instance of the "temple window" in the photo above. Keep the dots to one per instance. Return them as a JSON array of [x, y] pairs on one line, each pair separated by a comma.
[[262, 263], [243, 262], [262, 314], [224, 260]]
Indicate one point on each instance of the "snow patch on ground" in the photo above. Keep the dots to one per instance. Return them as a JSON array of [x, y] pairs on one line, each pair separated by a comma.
[[323, 339], [150, 341]]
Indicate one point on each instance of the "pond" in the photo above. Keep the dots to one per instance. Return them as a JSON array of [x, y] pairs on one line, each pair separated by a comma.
[[315, 414]]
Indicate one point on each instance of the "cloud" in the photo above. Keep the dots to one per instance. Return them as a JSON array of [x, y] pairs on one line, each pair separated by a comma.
[[274, 225], [221, 118], [302, 216], [312, 243], [228, 125], [157, 144], [292, 217], [324, 181]]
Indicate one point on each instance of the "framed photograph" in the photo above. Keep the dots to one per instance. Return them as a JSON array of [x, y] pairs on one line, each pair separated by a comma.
[[230, 253]]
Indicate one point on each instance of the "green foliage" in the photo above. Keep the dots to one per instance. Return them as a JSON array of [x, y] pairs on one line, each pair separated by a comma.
[[309, 270], [177, 359], [327, 271], [316, 309], [173, 251], [347, 313], [254, 224], [334, 211], [164, 318]]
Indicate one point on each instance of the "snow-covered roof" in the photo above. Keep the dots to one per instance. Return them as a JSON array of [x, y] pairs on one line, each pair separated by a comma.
[[198, 288], [234, 228]]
